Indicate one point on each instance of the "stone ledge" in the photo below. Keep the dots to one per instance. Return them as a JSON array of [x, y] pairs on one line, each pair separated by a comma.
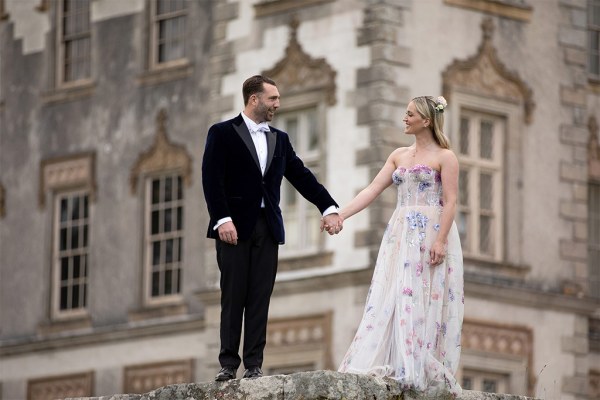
[[316, 385]]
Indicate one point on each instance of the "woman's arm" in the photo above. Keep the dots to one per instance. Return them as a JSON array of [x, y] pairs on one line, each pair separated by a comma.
[[374, 189]]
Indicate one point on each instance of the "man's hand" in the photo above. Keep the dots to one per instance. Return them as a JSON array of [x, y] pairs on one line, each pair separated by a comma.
[[228, 233], [332, 223]]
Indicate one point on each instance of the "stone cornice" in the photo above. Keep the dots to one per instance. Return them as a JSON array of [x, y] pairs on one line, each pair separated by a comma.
[[504, 290], [25, 345], [506, 9]]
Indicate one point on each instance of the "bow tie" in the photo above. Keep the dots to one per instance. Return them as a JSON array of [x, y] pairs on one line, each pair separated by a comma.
[[262, 127]]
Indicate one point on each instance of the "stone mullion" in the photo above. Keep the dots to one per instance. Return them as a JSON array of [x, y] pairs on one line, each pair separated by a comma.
[[380, 100], [574, 174]]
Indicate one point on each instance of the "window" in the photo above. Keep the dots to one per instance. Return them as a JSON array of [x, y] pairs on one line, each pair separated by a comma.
[[594, 38], [74, 35], [302, 218], [484, 381], [164, 236], [594, 238], [168, 32], [480, 149], [71, 249]]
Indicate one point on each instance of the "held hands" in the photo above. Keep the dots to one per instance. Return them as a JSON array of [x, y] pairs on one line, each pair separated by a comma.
[[332, 223], [228, 233]]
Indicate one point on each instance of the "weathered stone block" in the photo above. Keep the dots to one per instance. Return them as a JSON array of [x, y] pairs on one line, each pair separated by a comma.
[[377, 33], [226, 11], [570, 96], [317, 385], [573, 172], [577, 211], [575, 56], [576, 385], [570, 134], [376, 73], [391, 53], [572, 36], [573, 250]]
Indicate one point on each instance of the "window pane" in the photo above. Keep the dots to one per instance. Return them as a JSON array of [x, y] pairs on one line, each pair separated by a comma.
[[168, 189], [75, 237], [76, 267], [155, 191], [75, 297], [85, 206], [75, 209], [64, 268], [168, 213], [485, 191], [63, 239], [462, 224], [313, 133], [467, 383], [179, 188], [291, 126], [463, 184], [168, 282], [156, 253], [85, 235], [179, 218], [486, 140], [155, 222], [155, 283], [64, 293], [179, 249], [489, 385], [485, 225], [169, 251], [63, 209], [464, 136]]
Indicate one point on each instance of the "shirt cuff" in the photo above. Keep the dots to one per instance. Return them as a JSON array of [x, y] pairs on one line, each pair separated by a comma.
[[221, 222], [331, 210]]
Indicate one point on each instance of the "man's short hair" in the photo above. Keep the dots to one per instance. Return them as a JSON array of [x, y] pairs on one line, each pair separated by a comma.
[[254, 85]]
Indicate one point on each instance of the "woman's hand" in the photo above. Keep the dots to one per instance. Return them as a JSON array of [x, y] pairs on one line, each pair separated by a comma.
[[437, 253]]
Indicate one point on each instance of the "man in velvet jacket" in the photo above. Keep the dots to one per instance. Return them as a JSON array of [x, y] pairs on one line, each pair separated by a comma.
[[244, 163]]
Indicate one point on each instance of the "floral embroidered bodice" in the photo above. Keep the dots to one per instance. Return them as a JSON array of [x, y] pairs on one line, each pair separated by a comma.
[[419, 185]]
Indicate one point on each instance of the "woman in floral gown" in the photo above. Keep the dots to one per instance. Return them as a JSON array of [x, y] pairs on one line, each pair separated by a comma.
[[411, 326]]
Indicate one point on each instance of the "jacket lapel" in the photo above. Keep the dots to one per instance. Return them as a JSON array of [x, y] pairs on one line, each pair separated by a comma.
[[242, 131], [271, 140]]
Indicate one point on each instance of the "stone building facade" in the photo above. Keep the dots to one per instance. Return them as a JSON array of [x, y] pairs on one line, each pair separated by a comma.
[[107, 283]]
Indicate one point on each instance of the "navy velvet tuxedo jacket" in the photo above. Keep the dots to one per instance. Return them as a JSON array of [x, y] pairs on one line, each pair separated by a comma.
[[234, 185]]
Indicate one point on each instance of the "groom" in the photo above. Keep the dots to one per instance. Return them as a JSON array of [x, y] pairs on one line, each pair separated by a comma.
[[244, 163]]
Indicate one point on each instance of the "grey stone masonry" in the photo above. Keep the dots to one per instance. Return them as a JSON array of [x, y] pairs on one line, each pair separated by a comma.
[[316, 385]]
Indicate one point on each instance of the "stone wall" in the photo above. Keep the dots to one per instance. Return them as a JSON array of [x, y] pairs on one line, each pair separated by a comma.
[[317, 385]]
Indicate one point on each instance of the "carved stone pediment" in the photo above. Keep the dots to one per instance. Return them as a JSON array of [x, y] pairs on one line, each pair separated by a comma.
[[297, 72], [485, 75], [593, 150], [162, 156]]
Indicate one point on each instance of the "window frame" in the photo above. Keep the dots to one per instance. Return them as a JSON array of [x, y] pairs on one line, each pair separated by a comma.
[[153, 40], [511, 219], [476, 166], [316, 157], [60, 80], [57, 312], [162, 299]]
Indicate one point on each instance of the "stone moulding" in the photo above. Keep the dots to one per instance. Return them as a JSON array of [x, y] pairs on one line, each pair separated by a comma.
[[501, 8], [73, 171], [315, 385], [297, 72], [485, 75], [162, 156]]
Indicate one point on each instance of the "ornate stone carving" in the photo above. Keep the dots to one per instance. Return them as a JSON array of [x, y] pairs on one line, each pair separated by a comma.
[[297, 72], [163, 155], [147, 377], [60, 387], [484, 74], [311, 332], [515, 9], [593, 150], [68, 172], [500, 339]]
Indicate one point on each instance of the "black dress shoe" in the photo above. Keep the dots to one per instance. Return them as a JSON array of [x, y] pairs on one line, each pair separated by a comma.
[[253, 372], [226, 373]]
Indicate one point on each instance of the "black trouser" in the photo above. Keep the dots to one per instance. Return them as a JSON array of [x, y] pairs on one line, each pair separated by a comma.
[[248, 272]]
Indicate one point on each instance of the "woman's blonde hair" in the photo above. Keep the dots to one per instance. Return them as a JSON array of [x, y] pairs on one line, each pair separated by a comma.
[[433, 110]]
